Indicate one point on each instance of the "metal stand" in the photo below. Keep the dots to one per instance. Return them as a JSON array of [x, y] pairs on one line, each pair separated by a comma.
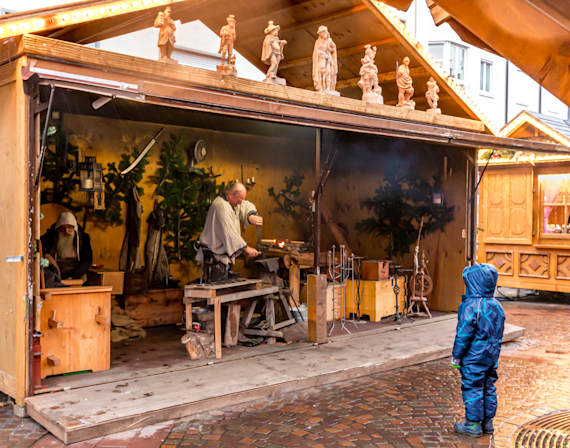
[[340, 272], [396, 288]]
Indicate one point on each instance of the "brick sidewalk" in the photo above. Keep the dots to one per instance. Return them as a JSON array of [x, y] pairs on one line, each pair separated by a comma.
[[410, 407], [17, 432]]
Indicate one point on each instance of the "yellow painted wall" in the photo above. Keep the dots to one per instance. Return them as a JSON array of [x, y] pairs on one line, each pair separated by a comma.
[[358, 171], [267, 159]]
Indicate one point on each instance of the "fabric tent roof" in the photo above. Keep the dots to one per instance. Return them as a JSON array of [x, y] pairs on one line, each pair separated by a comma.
[[532, 34], [352, 23]]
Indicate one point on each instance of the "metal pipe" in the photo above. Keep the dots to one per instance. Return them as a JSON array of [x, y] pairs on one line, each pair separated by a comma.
[[317, 199], [44, 137]]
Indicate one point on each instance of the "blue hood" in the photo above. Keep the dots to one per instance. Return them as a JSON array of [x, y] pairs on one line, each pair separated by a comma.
[[480, 281]]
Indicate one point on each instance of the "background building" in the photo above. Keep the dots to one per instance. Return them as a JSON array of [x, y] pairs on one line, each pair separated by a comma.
[[497, 86]]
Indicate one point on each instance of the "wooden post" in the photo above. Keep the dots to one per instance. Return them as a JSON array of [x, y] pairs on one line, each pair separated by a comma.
[[232, 325], [270, 317], [294, 283], [218, 327], [316, 308]]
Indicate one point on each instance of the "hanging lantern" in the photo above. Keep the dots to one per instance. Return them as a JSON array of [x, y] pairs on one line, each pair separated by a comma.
[[437, 195], [90, 175]]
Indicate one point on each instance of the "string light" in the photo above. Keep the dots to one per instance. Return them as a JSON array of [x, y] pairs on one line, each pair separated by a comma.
[[52, 21]]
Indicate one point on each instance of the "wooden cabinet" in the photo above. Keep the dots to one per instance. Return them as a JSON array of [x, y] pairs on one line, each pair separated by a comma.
[[377, 298], [76, 329]]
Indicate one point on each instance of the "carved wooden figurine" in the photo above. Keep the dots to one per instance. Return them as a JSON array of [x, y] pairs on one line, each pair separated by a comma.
[[371, 91], [166, 37], [432, 96], [405, 87], [272, 53], [325, 63], [228, 35]]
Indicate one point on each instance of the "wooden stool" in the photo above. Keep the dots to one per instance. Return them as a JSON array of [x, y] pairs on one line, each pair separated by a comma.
[[271, 332]]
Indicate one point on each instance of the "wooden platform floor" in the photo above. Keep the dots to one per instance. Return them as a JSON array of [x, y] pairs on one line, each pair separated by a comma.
[[161, 351], [87, 412]]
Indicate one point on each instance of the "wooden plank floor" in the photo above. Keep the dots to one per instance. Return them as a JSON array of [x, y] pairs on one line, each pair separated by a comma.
[[79, 414]]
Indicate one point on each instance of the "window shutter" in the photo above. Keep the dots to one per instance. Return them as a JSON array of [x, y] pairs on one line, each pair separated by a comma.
[[507, 206]]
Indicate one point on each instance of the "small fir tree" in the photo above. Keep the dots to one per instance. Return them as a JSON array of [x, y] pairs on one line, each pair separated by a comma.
[[399, 205]]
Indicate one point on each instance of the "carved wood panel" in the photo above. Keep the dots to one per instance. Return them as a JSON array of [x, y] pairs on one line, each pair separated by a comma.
[[496, 206], [503, 261], [562, 267], [534, 265], [508, 200]]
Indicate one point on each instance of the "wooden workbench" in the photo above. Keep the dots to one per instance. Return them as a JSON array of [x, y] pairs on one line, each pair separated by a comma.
[[216, 294], [76, 329]]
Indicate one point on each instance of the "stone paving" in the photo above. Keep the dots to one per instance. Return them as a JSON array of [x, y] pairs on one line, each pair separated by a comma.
[[17, 432], [409, 407]]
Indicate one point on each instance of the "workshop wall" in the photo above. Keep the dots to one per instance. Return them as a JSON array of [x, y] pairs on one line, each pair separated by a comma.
[[359, 171], [267, 159]]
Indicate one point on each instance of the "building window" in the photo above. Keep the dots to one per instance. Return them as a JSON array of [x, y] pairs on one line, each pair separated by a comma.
[[486, 74], [524, 88], [436, 51], [196, 58], [457, 63], [554, 192]]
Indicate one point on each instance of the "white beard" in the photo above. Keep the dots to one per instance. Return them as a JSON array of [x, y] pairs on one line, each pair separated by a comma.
[[66, 247]]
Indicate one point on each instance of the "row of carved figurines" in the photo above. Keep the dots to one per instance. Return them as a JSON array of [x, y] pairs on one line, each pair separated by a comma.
[[325, 63]]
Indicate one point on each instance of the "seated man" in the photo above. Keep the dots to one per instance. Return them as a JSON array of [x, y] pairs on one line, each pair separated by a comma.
[[221, 238], [68, 248]]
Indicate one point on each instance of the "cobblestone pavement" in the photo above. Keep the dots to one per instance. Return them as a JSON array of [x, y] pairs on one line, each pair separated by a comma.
[[17, 432], [409, 407]]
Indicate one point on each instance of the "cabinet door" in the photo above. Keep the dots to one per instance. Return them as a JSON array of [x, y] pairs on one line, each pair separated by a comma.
[[506, 204]]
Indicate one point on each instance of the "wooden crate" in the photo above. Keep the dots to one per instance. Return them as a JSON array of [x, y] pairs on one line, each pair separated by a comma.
[[378, 299], [375, 270], [79, 337], [156, 307], [107, 277]]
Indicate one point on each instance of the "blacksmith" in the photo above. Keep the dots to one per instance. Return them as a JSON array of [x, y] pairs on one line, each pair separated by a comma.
[[221, 240]]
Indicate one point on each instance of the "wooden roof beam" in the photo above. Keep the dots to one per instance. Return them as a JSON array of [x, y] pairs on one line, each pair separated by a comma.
[[420, 99], [318, 20], [340, 53], [383, 78]]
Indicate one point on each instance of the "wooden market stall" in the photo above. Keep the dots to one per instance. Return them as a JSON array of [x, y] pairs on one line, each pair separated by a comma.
[[254, 129], [524, 208]]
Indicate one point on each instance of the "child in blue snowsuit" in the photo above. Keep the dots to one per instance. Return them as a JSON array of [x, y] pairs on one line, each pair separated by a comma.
[[480, 326]]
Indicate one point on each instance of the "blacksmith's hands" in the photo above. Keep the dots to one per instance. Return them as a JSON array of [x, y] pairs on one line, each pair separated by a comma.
[[256, 220], [251, 251]]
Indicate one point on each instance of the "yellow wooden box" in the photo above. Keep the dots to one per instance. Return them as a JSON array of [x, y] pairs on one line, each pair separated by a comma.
[[107, 277], [377, 298]]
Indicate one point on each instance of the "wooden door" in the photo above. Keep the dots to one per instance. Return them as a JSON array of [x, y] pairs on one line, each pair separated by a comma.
[[506, 203], [14, 297]]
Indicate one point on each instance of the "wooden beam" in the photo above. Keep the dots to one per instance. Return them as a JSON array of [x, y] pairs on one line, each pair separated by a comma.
[[316, 21], [420, 99], [340, 53], [317, 308], [383, 78]]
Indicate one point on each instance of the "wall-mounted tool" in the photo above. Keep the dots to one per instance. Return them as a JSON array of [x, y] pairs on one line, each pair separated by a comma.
[[198, 153], [143, 153]]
